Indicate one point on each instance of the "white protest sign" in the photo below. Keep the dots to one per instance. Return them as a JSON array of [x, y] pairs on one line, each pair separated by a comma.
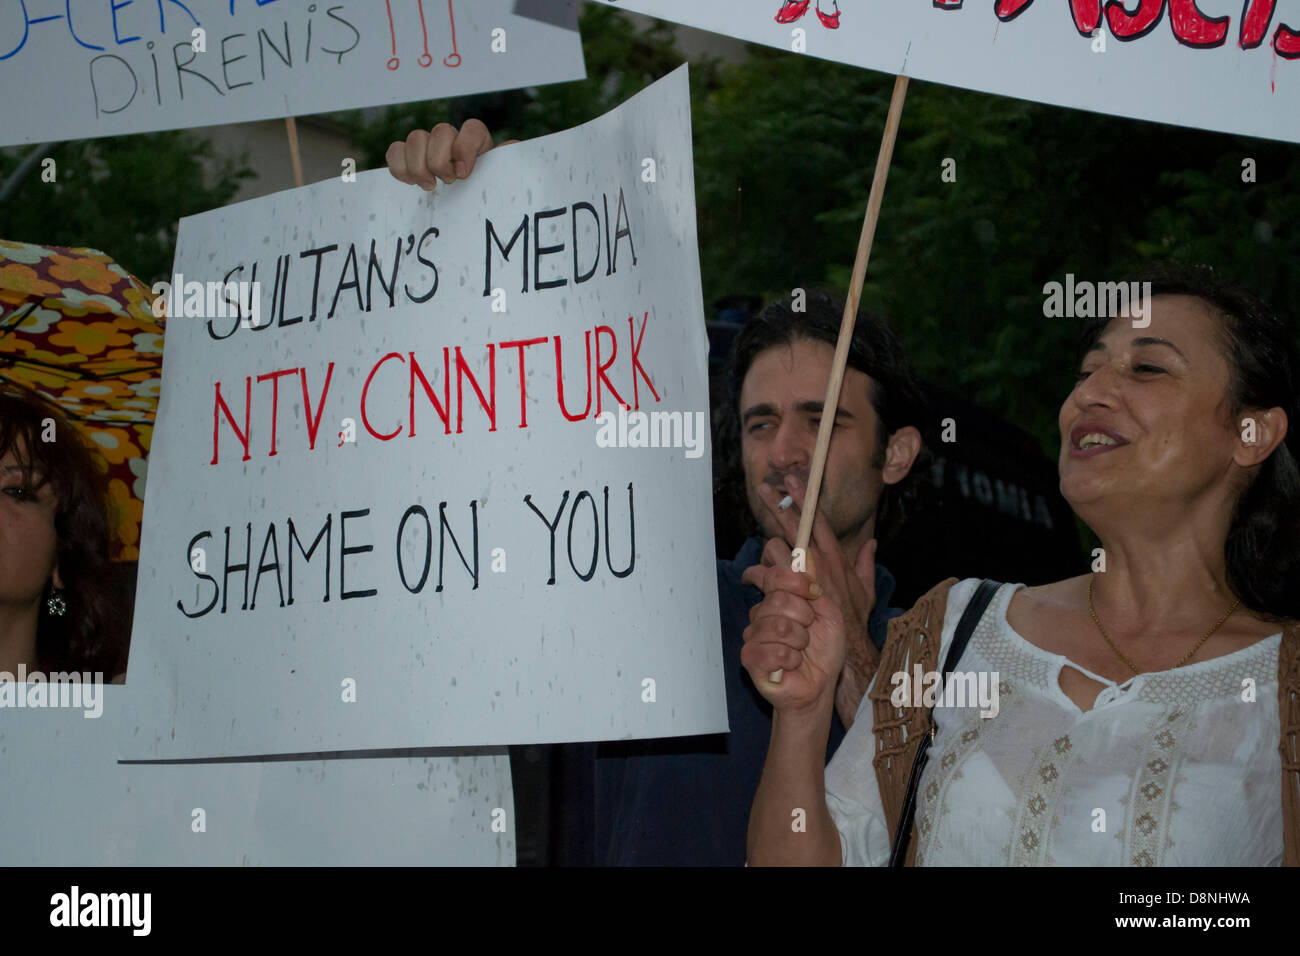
[[108, 67], [1216, 64], [383, 509], [68, 802]]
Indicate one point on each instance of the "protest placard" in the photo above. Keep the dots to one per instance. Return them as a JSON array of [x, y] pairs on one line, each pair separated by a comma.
[[1223, 66], [442, 477], [107, 67], [69, 802]]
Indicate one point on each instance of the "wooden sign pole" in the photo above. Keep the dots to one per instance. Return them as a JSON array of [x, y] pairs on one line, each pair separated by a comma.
[[291, 127], [883, 160]]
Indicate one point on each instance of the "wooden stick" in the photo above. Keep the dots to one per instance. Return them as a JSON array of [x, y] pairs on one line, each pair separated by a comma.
[[292, 127], [809, 511]]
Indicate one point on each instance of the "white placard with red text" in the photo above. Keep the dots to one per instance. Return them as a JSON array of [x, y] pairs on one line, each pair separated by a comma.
[[384, 511], [1225, 65]]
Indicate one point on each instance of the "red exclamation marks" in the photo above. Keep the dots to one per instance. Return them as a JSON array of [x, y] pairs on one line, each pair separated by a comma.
[[393, 61], [425, 58], [453, 58]]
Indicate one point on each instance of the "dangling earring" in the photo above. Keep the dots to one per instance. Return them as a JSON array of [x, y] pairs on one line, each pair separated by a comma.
[[56, 604]]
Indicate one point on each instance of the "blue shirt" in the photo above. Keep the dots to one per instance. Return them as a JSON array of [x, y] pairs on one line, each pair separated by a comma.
[[684, 801]]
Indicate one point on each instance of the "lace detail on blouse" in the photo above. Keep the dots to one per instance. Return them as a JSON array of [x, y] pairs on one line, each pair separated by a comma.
[[1168, 768]]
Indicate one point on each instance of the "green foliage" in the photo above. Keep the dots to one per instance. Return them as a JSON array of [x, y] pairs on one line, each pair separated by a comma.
[[785, 153], [776, 144], [620, 62], [123, 195]]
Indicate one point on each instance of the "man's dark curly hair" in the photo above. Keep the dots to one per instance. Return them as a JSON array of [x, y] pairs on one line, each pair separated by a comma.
[[875, 351], [91, 636]]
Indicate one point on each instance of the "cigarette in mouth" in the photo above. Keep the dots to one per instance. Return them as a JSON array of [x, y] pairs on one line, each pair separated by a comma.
[[786, 502]]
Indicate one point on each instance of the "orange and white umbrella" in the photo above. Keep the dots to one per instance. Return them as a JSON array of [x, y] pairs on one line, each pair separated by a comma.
[[78, 328]]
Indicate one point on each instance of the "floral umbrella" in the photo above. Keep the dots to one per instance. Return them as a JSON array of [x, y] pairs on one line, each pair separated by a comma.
[[78, 328]]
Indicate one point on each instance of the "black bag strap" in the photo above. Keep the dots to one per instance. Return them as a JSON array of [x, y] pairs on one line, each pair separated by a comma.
[[961, 637]]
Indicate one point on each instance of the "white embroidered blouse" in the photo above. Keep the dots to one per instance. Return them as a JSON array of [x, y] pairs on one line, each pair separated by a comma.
[[1172, 768]]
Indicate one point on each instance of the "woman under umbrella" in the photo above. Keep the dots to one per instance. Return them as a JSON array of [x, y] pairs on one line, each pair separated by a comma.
[[57, 606]]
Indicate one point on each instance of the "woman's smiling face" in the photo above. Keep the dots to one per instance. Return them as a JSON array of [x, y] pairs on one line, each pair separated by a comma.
[[1150, 417]]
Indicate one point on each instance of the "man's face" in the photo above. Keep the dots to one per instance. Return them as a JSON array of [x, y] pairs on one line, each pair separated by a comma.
[[780, 410]]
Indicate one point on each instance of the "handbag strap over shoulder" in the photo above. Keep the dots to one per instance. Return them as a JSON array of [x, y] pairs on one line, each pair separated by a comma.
[[961, 637]]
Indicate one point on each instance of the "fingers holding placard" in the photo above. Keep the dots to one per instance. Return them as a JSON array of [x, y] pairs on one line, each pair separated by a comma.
[[443, 152]]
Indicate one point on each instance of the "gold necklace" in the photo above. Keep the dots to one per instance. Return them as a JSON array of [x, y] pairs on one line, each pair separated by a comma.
[[1186, 657]]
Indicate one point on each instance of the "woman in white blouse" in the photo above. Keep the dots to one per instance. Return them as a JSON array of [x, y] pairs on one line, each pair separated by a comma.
[[1137, 716]]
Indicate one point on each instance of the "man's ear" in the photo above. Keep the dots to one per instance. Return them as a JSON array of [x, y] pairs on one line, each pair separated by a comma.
[[904, 446], [1260, 431]]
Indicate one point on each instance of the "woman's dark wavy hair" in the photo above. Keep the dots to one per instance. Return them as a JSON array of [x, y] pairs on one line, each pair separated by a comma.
[[91, 635], [1262, 550], [874, 351]]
